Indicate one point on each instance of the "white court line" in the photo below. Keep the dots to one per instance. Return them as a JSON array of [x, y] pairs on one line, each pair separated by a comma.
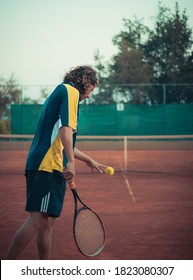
[[128, 186]]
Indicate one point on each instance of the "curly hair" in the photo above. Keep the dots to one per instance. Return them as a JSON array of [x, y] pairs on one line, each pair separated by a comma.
[[82, 77]]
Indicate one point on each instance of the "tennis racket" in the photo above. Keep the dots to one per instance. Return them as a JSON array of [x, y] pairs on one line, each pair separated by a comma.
[[88, 229]]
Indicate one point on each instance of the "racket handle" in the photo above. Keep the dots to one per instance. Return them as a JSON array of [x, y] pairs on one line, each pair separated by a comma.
[[72, 185]]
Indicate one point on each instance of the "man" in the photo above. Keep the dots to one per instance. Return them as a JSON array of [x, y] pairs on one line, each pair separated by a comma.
[[50, 161]]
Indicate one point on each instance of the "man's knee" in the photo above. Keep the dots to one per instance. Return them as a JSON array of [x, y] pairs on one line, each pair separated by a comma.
[[39, 220]]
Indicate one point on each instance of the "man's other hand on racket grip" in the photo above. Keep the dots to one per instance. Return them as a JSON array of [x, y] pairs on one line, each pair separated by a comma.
[[69, 172]]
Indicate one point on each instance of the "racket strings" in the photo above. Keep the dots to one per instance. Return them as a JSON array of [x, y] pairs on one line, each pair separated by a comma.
[[89, 232]]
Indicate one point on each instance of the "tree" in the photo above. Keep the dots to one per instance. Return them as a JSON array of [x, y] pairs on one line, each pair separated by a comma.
[[103, 94], [10, 92], [163, 55], [128, 65], [169, 52], [169, 45]]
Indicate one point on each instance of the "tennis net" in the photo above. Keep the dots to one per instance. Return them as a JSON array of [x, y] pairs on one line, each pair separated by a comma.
[[116, 151]]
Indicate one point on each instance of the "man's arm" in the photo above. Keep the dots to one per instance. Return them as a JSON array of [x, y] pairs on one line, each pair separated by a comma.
[[67, 141], [89, 161]]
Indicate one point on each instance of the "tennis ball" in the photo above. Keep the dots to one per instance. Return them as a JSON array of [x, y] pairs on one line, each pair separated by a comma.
[[109, 171]]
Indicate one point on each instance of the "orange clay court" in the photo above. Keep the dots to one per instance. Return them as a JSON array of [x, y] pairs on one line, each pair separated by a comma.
[[147, 211]]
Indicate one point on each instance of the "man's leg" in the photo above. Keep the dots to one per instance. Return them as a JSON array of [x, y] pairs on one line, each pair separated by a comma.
[[44, 238], [24, 235]]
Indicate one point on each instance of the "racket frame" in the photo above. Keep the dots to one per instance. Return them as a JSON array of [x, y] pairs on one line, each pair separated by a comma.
[[76, 212]]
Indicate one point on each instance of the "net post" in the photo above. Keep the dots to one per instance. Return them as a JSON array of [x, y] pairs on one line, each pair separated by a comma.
[[125, 153]]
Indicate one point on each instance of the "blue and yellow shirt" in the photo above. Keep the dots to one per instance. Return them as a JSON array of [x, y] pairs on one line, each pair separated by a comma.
[[60, 109]]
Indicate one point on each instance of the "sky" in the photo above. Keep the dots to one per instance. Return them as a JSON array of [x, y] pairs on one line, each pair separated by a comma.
[[42, 39]]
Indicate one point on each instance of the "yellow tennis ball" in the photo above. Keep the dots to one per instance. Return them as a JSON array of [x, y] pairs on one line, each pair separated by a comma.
[[109, 171]]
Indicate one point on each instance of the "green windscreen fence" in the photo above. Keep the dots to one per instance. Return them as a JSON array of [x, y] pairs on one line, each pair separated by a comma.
[[24, 118], [116, 119]]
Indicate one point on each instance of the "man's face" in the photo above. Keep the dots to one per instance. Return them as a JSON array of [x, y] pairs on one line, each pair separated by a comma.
[[87, 93]]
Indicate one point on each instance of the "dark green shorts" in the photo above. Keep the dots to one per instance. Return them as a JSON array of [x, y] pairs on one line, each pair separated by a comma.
[[45, 192]]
